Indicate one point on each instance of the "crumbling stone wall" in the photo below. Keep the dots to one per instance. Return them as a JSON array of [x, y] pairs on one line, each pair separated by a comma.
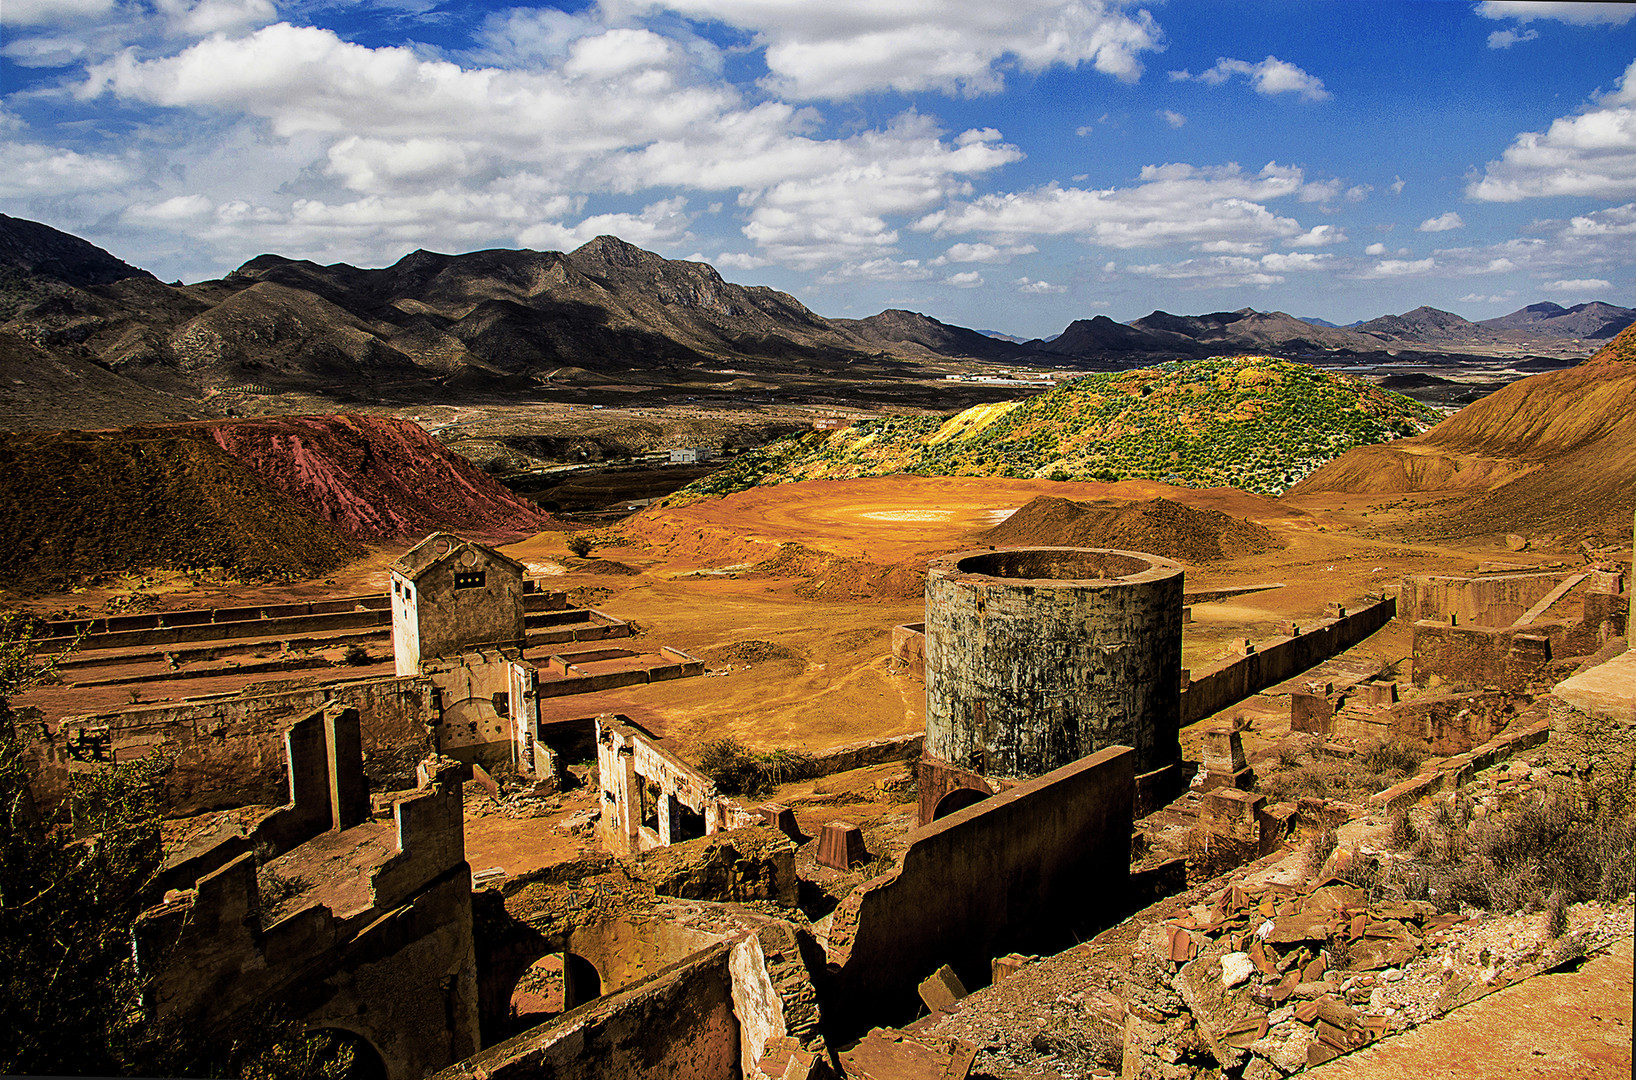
[[392, 961], [909, 648], [229, 748], [679, 1023], [1021, 871], [1036, 657], [647, 790], [1503, 658]]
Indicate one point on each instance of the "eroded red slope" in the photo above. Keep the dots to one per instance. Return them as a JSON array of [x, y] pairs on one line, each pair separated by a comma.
[[374, 477]]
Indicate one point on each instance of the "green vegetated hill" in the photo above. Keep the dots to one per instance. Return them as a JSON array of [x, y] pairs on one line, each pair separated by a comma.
[[1250, 422]]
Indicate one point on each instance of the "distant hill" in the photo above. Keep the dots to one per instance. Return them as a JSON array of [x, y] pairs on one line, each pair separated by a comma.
[[29, 249], [43, 390], [607, 313], [1101, 336], [1254, 423], [433, 323], [1591, 321], [1158, 526], [1162, 335], [893, 329], [1553, 452], [1325, 322], [1430, 326]]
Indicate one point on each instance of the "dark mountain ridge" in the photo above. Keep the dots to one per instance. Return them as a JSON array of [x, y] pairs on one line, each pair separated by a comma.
[[506, 320]]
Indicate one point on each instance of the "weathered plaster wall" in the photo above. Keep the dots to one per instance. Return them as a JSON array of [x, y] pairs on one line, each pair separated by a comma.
[[474, 693], [1473, 601], [451, 620], [909, 647], [1038, 656], [1021, 871]]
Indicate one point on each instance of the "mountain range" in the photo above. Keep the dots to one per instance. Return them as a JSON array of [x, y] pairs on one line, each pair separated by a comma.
[[78, 322]]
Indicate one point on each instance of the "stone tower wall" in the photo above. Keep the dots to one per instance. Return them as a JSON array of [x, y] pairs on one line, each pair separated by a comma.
[[1036, 657]]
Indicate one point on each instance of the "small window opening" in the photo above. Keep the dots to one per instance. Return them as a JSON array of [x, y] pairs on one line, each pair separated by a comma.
[[470, 579]]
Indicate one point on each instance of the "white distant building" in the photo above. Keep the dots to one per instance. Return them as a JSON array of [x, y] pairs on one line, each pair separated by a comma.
[[691, 455]]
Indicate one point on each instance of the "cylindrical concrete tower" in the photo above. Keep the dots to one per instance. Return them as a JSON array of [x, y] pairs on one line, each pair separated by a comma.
[[1036, 657]]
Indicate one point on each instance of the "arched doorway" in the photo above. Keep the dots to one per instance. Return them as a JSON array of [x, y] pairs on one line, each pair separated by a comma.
[[552, 985], [958, 799], [580, 981], [330, 1044]]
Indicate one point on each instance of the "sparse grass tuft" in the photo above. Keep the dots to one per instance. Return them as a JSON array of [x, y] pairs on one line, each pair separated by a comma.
[[1316, 852]]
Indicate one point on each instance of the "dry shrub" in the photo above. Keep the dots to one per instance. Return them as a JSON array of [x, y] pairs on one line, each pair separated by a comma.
[[1373, 769], [1572, 843], [1403, 833], [1556, 915], [738, 770], [1395, 758]]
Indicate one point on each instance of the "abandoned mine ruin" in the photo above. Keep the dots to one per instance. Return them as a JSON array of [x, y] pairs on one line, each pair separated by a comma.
[[450, 632], [849, 774]]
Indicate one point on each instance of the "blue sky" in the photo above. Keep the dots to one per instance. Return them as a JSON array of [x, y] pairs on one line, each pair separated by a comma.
[[1005, 166]]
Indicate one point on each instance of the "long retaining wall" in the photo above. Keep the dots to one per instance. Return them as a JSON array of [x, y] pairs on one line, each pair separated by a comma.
[[1024, 870], [533, 600], [1280, 658]]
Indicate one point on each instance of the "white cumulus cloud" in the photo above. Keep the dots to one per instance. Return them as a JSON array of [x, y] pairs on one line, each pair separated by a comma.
[[1271, 76], [1592, 153], [1171, 204], [844, 48], [1578, 14], [969, 279], [1037, 288], [1441, 223], [1504, 39], [1579, 285], [658, 223], [49, 12]]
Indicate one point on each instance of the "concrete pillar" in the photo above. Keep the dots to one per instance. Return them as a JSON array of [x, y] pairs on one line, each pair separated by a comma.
[[348, 791]]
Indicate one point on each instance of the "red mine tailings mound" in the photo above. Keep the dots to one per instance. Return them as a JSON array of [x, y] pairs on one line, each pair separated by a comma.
[[373, 477], [74, 503], [269, 497], [1157, 526], [1552, 452]]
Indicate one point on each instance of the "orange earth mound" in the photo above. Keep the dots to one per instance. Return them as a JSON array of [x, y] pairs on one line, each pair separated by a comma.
[[1551, 453], [1157, 526]]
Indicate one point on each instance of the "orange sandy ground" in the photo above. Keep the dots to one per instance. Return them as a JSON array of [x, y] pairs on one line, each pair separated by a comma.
[[1570, 1025], [835, 681]]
